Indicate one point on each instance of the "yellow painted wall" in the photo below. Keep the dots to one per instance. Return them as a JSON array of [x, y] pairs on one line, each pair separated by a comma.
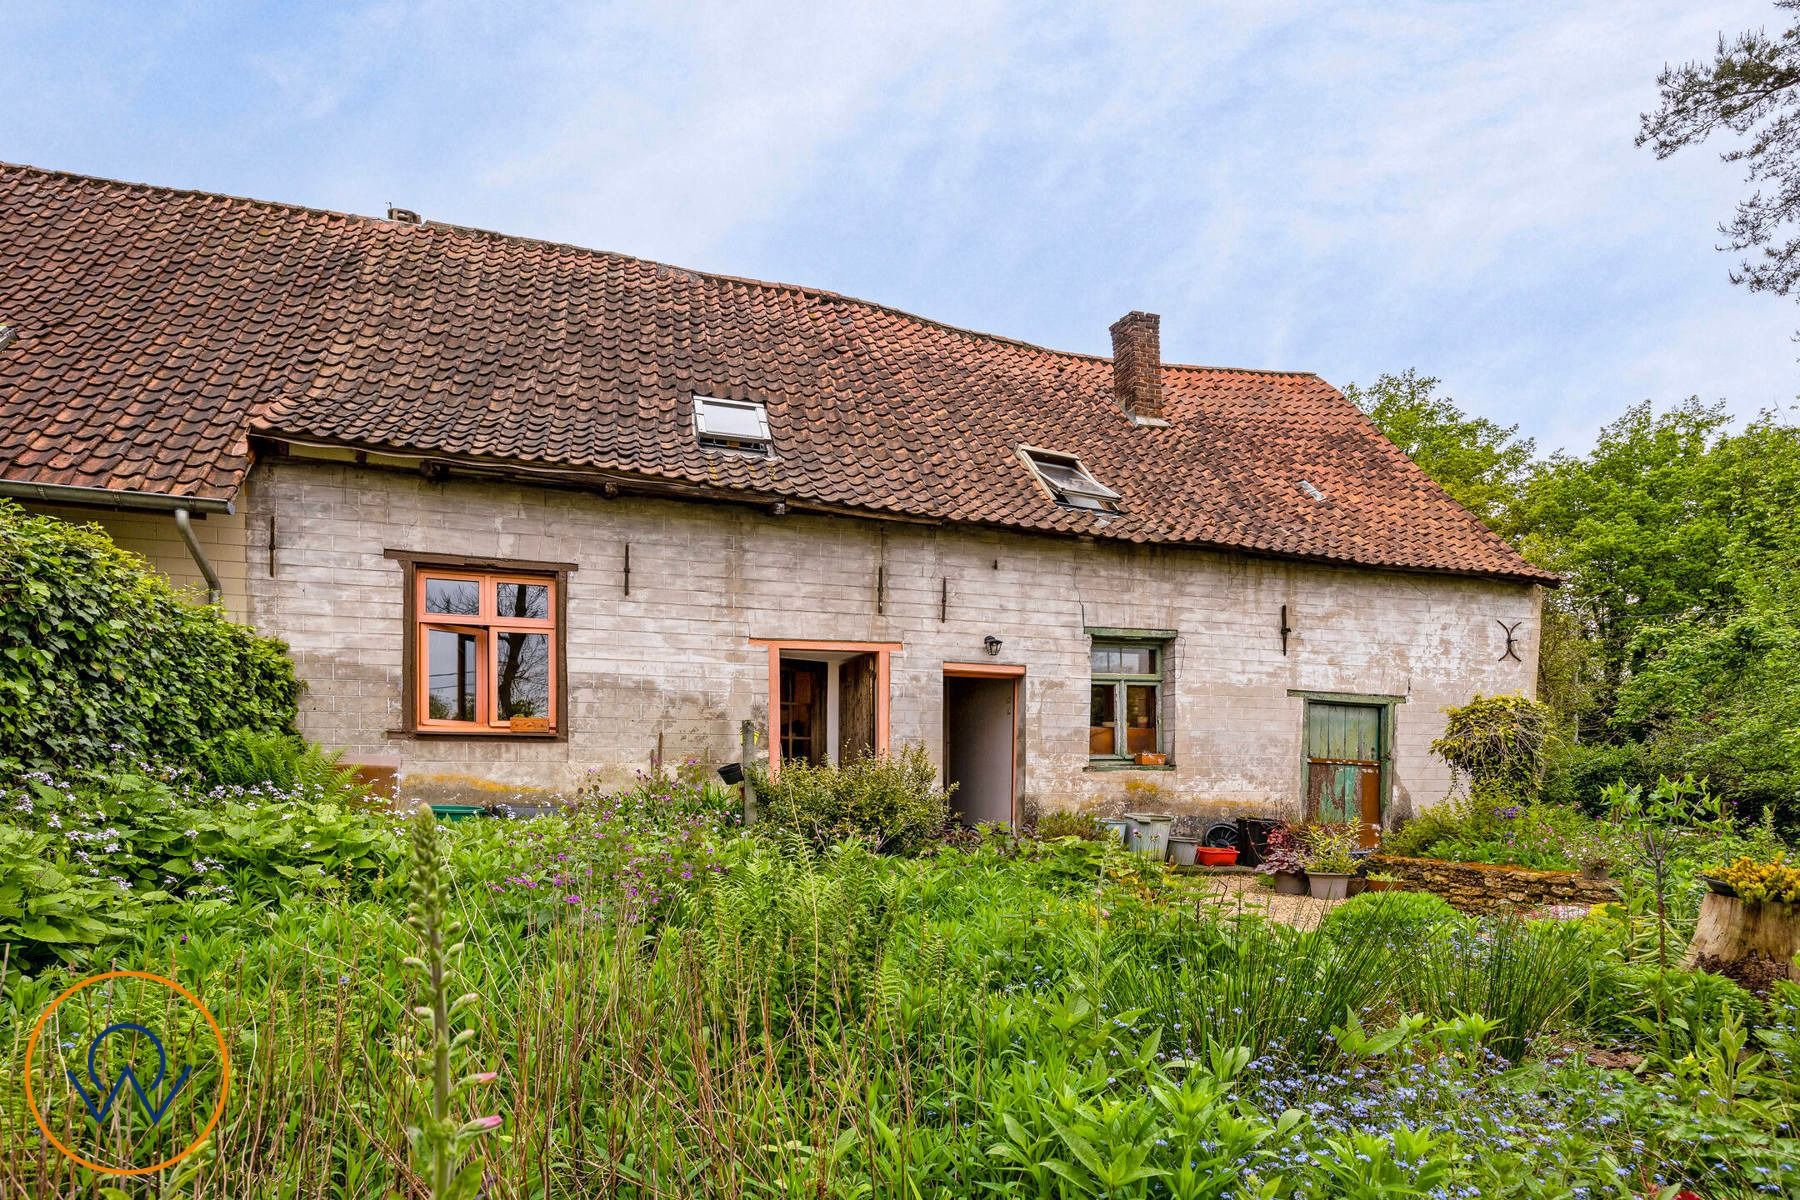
[[153, 535]]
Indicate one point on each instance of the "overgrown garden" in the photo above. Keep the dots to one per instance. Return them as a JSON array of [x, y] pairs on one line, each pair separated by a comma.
[[641, 997]]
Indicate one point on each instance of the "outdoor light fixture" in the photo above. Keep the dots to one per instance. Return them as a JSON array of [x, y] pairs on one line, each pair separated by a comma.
[[991, 644]]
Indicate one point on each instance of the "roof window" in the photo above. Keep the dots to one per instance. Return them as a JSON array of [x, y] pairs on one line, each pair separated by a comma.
[[732, 425], [1071, 483]]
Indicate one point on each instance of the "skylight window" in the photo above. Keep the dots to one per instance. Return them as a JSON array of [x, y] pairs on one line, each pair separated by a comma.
[[1071, 483], [732, 424]]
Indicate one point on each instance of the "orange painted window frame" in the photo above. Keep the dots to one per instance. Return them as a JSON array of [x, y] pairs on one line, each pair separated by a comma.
[[485, 624], [882, 652]]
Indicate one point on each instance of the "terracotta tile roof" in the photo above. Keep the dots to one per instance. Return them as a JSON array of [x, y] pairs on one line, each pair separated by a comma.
[[158, 328]]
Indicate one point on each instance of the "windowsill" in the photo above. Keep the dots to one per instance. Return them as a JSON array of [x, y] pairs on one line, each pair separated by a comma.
[[1123, 764], [501, 735]]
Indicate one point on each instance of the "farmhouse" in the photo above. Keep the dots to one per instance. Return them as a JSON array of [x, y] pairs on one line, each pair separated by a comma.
[[527, 511]]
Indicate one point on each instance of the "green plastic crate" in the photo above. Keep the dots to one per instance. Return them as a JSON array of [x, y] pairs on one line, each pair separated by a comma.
[[456, 812]]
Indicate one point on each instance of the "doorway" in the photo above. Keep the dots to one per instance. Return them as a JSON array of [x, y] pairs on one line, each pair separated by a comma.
[[981, 741], [829, 706], [1346, 761]]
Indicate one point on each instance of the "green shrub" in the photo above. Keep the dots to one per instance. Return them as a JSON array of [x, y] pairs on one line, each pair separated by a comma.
[[892, 802], [1061, 824], [1500, 744], [1546, 837], [248, 757], [1414, 836], [1627, 998], [1411, 913], [104, 658]]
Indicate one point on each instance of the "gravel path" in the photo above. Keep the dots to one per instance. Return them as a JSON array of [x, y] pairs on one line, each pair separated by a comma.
[[1241, 893]]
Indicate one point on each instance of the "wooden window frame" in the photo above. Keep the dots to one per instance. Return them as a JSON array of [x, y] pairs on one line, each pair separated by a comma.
[[488, 572], [1119, 682], [801, 646]]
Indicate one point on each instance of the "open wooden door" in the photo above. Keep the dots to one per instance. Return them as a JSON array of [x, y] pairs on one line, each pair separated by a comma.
[[856, 708]]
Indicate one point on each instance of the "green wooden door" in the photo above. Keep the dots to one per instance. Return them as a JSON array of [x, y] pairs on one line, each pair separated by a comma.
[[1344, 755]]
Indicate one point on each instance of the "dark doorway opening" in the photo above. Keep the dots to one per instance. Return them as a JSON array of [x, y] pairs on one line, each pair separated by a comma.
[[829, 706], [981, 747]]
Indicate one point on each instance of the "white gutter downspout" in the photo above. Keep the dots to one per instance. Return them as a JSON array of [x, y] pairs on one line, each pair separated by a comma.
[[214, 590]]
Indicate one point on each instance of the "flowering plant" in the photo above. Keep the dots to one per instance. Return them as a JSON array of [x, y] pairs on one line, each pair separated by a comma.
[[1285, 852], [443, 1138]]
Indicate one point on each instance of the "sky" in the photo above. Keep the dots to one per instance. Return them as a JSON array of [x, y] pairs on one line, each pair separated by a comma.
[[1346, 189]]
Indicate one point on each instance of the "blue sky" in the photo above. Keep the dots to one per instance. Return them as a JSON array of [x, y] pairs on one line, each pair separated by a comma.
[[1345, 189]]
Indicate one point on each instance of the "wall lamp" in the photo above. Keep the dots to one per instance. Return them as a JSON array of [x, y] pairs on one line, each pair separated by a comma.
[[992, 645]]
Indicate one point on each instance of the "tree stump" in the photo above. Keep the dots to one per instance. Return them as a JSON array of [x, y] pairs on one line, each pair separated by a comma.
[[1751, 943]]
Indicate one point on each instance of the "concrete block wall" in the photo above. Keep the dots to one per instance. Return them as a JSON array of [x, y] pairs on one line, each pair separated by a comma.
[[673, 659]]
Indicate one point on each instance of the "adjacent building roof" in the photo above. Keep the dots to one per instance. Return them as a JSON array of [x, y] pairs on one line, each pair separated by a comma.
[[159, 329]]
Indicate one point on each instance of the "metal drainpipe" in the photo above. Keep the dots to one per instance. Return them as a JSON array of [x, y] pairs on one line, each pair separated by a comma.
[[213, 588]]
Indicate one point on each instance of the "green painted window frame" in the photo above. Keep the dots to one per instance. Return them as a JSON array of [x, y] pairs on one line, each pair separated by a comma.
[[1154, 640]]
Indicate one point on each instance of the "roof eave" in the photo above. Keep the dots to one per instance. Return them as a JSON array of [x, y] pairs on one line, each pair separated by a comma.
[[614, 480]]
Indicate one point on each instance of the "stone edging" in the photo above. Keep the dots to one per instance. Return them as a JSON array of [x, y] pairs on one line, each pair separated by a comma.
[[1488, 887]]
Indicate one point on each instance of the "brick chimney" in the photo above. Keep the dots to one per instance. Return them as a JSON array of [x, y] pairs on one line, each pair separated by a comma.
[[1137, 364]]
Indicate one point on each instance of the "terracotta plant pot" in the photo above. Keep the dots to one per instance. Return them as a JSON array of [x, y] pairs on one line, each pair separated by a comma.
[[1384, 885], [1290, 883], [1181, 851], [1146, 758], [1216, 856], [1326, 885]]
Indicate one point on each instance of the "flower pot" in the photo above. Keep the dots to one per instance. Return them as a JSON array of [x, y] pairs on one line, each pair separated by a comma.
[[1384, 885], [1148, 758], [1328, 885], [1718, 887], [1216, 856], [1181, 851], [1290, 883], [1150, 833]]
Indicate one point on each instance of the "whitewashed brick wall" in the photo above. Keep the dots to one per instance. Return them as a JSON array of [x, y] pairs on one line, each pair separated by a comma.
[[673, 658]]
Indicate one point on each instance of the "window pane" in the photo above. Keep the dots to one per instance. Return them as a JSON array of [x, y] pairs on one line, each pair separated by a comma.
[[1124, 660], [1136, 660], [1102, 715], [461, 597], [530, 600], [522, 682], [718, 419], [1140, 718], [451, 659]]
